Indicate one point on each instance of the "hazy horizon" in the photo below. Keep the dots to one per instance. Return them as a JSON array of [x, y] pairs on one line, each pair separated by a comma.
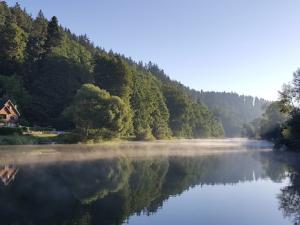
[[235, 46]]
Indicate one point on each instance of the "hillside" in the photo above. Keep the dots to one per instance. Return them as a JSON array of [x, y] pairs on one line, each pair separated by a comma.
[[61, 80], [230, 109]]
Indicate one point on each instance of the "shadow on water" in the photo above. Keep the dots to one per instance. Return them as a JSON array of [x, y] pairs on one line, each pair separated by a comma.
[[108, 190]]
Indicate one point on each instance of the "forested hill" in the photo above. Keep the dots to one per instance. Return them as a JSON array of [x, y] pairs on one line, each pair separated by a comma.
[[62, 80], [232, 110]]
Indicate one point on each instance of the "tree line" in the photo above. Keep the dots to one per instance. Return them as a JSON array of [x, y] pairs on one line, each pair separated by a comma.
[[62, 80], [281, 121]]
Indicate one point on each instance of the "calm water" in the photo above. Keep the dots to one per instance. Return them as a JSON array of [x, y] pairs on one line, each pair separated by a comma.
[[231, 182]]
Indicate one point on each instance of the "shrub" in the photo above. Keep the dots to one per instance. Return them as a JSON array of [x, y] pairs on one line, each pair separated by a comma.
[[18, 140], [11, 130]]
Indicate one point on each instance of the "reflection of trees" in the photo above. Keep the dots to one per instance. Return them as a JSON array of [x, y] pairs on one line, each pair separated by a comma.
[[289, 198], [274, 168], [109, 191]]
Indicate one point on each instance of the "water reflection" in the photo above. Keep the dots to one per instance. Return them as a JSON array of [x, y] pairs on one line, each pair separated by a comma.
[[110, 190], [289, 198]]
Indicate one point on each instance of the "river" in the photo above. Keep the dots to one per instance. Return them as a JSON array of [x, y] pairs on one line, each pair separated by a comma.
[[186, 182]]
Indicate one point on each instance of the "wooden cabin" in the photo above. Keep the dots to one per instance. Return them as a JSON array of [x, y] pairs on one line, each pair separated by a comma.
[[9, 114]]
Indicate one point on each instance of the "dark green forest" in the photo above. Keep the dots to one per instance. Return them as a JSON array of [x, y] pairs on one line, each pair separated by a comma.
[[63, 81]]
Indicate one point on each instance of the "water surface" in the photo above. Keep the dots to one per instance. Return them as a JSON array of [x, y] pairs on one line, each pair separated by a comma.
[[209, 182]]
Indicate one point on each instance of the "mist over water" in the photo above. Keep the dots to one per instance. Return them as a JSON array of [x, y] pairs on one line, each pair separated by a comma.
[[232, 181], [185, 147]]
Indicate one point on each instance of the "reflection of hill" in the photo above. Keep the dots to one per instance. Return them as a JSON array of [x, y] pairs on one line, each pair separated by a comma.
[[109, 191]]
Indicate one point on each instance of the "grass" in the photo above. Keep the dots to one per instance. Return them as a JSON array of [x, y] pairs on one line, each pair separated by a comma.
[[43, 135], [29, 139]]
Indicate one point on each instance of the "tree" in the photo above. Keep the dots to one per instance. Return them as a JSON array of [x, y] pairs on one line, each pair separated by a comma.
[[53, 89], [35, 49], [54, 35], [113, 75], [180, 109], [37, 38], [4, 13], [290, 102], [272, 122], [97, 114], [151, 115], [12, 47], [22, 18], [11, 87]]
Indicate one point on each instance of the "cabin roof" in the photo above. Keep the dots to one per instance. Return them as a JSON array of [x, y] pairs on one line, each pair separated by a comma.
[[3, 102]]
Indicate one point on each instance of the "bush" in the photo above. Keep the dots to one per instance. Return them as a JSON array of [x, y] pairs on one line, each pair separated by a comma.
[[69, 138], [98, 115], [145, 135], [18, 140], [11, 130]]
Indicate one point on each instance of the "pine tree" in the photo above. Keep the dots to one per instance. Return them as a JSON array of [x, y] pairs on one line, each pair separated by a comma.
[[12, 47], [54, 35]]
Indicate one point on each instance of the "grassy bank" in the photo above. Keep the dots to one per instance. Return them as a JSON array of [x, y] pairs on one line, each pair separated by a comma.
[[39, 138], [26, 140]]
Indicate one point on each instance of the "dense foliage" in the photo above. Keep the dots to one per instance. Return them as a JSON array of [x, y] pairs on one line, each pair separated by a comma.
[[95, 113], [43, 65], [281, 121], [269, 126], [290, 101]]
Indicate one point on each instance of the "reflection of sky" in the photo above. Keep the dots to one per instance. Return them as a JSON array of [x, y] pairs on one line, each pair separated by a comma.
[[247, 203], [251, 47]]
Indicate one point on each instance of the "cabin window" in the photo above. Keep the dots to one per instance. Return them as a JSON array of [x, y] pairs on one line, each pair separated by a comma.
[[7, 110], [2, 116]]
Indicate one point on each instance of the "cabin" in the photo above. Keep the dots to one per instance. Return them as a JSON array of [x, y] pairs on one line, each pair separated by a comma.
[[9, 114]]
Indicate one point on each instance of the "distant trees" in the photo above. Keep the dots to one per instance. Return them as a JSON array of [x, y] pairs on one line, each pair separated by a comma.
[[232, 110], [97, 114]]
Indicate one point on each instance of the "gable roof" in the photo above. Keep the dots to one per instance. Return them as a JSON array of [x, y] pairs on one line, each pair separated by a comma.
[[4, 102]]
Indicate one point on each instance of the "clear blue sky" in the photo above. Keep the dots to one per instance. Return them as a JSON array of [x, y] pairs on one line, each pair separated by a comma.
[[246, 46]]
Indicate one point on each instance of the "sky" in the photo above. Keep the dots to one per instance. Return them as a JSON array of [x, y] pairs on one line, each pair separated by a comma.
[[245, 46]]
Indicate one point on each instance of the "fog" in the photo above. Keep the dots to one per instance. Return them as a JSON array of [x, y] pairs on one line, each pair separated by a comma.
[[19, 155]]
